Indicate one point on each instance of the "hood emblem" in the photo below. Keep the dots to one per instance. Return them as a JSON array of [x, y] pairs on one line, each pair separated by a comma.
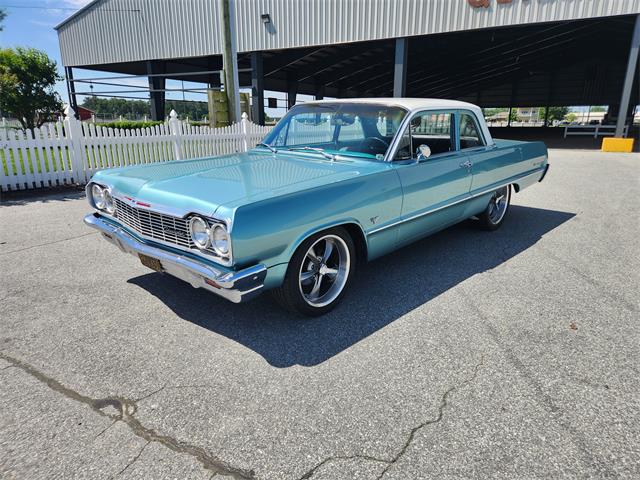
[[136, 202]]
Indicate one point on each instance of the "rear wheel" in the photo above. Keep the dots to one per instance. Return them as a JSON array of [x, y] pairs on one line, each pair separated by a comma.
[[493, 216], [319, 273]]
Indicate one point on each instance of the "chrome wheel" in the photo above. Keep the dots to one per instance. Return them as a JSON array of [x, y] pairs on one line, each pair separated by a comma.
[[324, 270], [498, 205]]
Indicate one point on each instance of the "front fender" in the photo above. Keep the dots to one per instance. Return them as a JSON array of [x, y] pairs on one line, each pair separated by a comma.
[[269, 231]]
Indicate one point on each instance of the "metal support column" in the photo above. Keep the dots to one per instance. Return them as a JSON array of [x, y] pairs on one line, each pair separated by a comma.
[[71, 90], [514, 93], [257, 88], [400, 68], [156, 90], [292, 93], [550, 97], [319, 92], [628, 79]]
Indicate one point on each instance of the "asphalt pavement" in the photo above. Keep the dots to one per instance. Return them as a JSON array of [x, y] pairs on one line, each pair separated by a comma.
[[513, 354]]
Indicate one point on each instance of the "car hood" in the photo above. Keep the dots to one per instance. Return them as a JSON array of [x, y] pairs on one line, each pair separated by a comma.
[[229, 181]]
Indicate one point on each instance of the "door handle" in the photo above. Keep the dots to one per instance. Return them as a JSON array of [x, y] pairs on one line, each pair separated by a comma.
[[466, 164]]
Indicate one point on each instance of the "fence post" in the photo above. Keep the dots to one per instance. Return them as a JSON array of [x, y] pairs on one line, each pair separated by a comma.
[[245, 135], [176, 132], [73, 130]]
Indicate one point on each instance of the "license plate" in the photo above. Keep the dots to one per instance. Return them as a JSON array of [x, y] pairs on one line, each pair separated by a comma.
[[152, 263]]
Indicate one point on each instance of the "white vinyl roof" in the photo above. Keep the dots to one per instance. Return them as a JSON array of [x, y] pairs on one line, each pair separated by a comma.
[[408, 103], [417, 104]]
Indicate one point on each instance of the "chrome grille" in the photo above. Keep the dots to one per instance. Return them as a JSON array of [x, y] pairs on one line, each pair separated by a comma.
[[154, 225]]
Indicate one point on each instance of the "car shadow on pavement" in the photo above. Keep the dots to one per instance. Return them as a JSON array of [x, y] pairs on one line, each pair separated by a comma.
[[383, 291]]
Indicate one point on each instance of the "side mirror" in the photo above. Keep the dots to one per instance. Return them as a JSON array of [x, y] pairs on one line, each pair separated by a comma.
[[423, 152]]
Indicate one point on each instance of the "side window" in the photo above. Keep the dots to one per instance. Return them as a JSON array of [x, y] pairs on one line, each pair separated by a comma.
[[433, 129], [469, 133]]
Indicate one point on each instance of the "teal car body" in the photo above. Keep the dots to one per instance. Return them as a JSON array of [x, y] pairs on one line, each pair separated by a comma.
[[270, 199]]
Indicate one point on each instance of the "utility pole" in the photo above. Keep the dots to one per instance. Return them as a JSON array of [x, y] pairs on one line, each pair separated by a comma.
[[230, 58]]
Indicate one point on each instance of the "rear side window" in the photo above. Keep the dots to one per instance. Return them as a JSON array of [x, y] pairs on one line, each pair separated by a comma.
[[430, 128], [469, 132]]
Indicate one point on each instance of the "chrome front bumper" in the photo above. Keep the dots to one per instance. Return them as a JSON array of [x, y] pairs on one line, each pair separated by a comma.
[[234, 286]]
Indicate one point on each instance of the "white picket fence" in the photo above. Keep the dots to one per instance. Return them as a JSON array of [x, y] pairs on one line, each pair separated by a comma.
[[70, 151]]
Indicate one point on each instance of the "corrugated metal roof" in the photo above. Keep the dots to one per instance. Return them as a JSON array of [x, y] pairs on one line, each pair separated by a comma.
[[114, 31]]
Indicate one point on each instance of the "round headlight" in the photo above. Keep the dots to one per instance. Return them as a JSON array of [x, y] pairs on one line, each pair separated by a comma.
[[97, 193], [220, 242], [200, 232], [108, 201]]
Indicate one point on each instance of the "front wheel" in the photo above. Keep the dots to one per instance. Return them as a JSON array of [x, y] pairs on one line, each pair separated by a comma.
[[319, 273], [493, 216]]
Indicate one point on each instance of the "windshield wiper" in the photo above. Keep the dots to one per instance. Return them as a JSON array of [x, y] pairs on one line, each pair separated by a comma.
[[266, 145], [315, 149]]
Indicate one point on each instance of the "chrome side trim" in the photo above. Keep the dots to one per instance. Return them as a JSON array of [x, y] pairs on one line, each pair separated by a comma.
[[234, 286], [455, 202]]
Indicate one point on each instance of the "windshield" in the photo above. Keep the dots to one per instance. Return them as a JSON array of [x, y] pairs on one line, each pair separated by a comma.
[[352, 129]]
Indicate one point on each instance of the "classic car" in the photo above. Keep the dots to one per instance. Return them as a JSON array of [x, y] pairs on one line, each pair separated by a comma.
[[333, 184]]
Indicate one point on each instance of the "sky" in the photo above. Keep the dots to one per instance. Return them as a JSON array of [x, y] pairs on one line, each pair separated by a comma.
[[30, 23]]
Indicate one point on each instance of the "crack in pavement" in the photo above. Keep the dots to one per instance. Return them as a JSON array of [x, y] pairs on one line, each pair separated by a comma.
[[390, 463], [48, 243], [134, 460], [603, 289], [312, 471], [127, 409], [105, 429], [543, 398], [443, 404], [150, 394]]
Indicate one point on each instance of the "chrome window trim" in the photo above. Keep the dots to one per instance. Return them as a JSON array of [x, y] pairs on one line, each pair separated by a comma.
[[393, 148], [478, 128], [408, 113], [455, 202]]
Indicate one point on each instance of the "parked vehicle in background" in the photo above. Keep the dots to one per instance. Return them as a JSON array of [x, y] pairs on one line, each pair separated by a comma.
[[333, 184]]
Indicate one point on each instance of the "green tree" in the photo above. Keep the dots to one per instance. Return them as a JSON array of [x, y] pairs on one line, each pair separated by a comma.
[[490, 112], [3, 15], [555, 113], [117, 107], [513, 116], [136, 109], [598, 108], [27, 79], [570, 117]]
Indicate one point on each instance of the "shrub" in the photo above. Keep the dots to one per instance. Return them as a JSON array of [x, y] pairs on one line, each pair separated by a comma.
[[129, 124]]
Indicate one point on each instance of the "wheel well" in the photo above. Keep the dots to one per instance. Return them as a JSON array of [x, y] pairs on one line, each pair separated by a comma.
[[355, 232], [357, 235]]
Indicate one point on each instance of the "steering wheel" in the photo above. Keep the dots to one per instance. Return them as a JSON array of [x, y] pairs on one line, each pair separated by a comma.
[[369, 143]]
